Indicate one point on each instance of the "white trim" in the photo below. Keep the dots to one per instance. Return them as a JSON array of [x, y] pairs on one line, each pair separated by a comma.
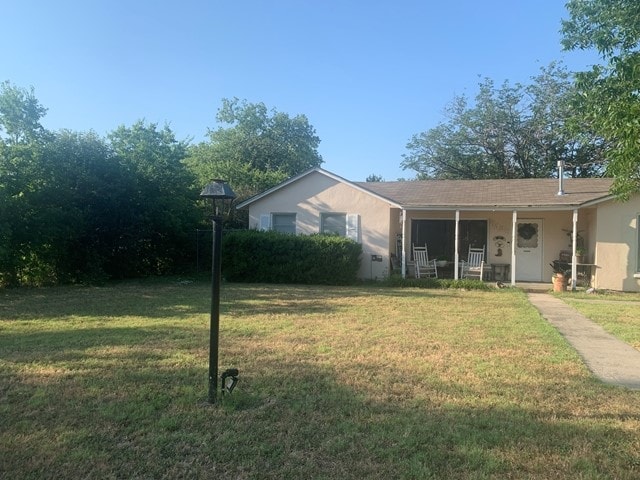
[[404, 241], [574, 244], [353, 227], [265, 222], [456, 243], [514, 239]]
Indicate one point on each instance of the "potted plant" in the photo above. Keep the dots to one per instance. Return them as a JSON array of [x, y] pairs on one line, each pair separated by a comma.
[[581, 253], [560, 277], [442, 261]]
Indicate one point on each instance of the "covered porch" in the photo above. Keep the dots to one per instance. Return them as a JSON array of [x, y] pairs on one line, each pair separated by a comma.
[[520, 244]]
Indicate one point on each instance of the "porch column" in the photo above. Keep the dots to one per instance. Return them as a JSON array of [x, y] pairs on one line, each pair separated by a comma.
[[456, 255], [574, 244], [514, 239], [404, 241]]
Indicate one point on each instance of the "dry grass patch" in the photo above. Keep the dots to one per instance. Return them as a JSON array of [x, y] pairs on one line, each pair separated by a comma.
[[359, 382]]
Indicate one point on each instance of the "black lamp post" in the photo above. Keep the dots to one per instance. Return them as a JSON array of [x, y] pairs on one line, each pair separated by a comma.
[[219, 192]]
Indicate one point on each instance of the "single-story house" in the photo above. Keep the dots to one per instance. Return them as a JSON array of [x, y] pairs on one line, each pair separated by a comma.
[[524, 225]]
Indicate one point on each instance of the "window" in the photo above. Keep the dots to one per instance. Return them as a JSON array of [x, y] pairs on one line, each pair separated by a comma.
[[283, 222], [333, 224], [439, 235], [342, 224]]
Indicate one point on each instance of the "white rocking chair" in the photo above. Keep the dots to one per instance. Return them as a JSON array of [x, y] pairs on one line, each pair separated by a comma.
[[473, 267], [423, 266]]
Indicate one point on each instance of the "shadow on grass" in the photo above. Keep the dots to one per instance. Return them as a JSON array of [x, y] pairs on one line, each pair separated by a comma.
[[172, 299], [144, 418]]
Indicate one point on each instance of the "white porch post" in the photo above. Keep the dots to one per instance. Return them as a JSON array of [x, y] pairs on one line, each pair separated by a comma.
[[574, 244], [514, 239], [404, 240], [456, 255]]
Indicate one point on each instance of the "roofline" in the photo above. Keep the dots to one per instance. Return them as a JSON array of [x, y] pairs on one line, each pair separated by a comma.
[[322, 171], [506, 208]]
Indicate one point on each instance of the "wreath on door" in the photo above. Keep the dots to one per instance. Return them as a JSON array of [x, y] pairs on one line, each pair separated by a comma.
[[526, 231]]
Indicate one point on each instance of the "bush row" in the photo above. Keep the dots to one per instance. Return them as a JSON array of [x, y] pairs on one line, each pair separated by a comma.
[[273, 257]]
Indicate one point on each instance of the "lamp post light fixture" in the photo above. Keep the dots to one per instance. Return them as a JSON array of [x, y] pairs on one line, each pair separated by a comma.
[[219, 192]]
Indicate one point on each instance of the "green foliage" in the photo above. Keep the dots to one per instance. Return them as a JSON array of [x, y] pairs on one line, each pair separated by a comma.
[[273, 257], [258, 150], [518, 131], [74, 208], [435, 283], [159, 212], [609, 97], [20, 114]]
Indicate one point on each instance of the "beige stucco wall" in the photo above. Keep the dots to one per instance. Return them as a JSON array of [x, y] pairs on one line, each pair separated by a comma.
[[617, 245], [316, 193]]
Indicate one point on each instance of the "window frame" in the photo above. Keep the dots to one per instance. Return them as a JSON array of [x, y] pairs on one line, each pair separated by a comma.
[[292, 227], [343, 228]]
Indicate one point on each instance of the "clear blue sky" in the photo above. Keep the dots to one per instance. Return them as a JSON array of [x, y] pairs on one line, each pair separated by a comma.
[[367, 74]]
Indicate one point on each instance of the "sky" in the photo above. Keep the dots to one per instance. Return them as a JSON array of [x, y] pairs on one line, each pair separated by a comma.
[[368, 75]]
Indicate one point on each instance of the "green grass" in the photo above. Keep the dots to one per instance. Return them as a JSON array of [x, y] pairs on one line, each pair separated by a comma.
[[617, 313], [335, 383]]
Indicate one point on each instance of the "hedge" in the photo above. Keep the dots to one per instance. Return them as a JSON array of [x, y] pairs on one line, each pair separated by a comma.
[[272, 257]]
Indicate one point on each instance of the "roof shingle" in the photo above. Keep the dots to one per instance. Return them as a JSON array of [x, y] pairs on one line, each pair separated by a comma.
[[532, 192]]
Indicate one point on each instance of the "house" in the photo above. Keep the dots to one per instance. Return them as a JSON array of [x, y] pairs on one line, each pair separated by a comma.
[[523, 224]]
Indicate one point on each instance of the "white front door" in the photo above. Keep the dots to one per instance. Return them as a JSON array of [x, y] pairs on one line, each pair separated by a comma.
[[529, 250]]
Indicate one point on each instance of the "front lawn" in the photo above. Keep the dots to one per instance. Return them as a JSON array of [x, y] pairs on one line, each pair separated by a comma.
[[335, 382], [617, 313]]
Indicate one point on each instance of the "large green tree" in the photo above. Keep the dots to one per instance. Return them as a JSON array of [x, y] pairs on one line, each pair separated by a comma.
[[155, 220], [21, 174], [256, 148], [610, 93], [76, 207], [511, 131]]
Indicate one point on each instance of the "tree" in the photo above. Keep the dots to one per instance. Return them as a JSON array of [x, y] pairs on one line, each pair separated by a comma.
[[609, 95], [518, 131], [374, 178], [20, 173], [258, 149], [20, 114], [157, 212]]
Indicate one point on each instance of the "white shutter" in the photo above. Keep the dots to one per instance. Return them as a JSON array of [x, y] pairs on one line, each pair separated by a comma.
[[265, 221], [353, 227]]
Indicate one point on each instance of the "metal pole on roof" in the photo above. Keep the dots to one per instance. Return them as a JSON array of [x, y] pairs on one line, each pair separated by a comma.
[[560, 177]]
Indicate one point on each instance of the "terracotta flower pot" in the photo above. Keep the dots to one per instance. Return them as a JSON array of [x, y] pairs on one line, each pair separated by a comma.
[[559, 282]]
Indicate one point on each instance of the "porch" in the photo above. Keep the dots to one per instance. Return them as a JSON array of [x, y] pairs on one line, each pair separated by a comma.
[[520, 245]]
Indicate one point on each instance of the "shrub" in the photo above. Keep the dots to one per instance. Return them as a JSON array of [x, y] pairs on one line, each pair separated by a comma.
[[273, 257], [465, 283]]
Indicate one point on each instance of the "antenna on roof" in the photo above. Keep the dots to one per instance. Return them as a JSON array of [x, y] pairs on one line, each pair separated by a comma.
[[560, 177]]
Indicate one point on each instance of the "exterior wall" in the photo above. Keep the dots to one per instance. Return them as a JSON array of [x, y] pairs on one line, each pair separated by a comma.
[[617, 245], [316, 193]]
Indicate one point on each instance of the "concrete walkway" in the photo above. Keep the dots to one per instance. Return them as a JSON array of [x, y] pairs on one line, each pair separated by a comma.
[[610, 359]]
